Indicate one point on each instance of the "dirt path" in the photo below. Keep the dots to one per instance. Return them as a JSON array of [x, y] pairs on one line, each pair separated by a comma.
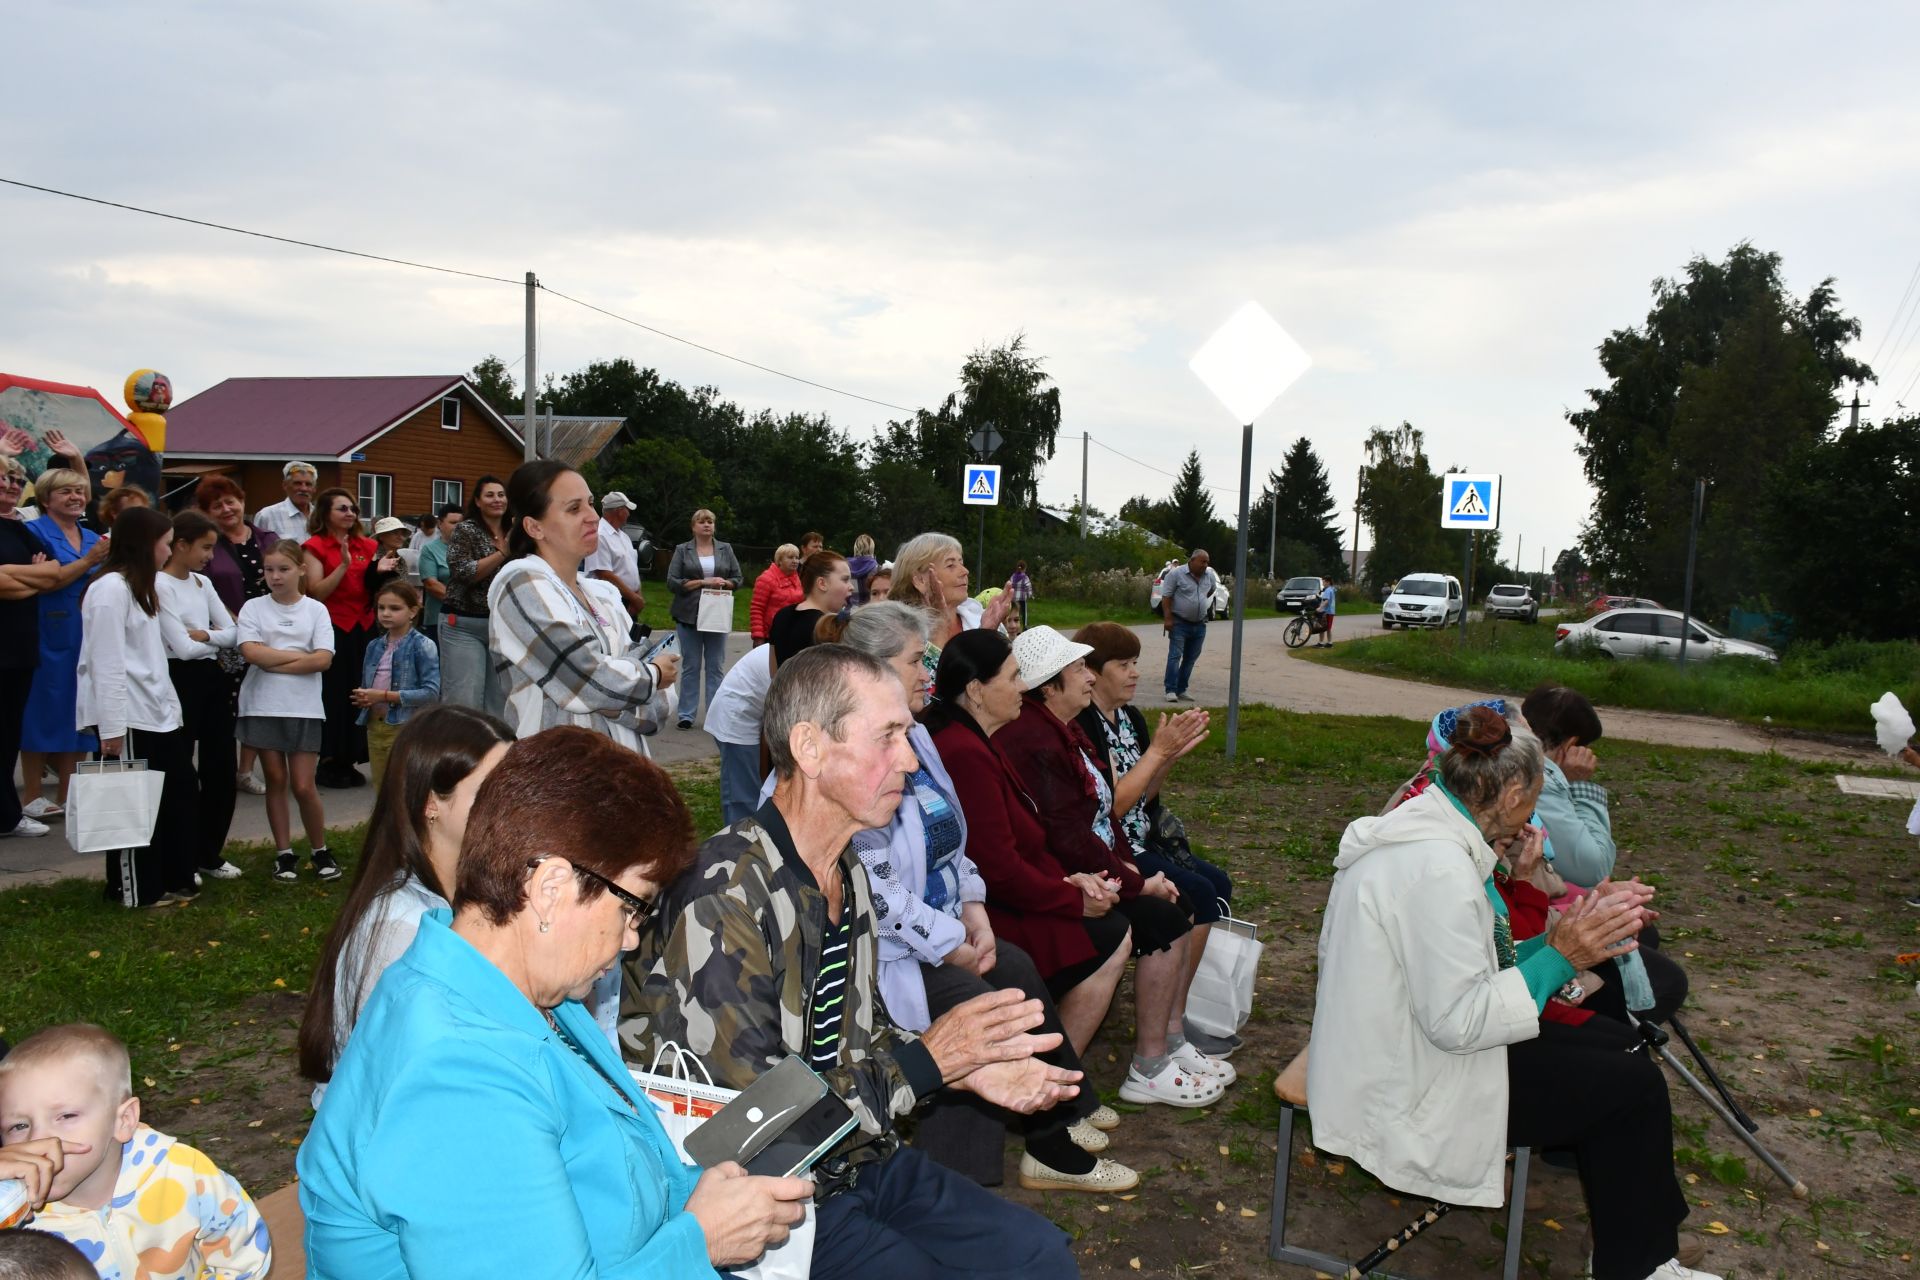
[[1273, 674]]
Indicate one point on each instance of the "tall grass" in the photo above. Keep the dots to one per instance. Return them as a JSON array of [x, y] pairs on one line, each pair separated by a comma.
[[1823, 689]]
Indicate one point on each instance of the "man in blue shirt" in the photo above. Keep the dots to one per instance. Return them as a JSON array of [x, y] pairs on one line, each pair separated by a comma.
[[1186, 602], [1326, 614]]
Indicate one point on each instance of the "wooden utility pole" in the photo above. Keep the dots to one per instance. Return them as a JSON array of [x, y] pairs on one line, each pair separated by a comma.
[[530, 425], [1359, 482]]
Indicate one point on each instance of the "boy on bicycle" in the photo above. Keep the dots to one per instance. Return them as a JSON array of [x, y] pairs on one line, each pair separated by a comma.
[[1325, 621]]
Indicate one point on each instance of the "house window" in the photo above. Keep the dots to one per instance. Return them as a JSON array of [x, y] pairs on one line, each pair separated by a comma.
[[448, 493], [450, 414], [376, 497]]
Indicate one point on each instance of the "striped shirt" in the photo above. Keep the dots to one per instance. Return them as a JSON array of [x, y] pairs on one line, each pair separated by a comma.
[[830, 994]]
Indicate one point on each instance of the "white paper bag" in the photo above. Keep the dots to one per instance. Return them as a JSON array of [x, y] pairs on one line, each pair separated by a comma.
[[685, 1104], [113, 804], [716, 611], [1221, 996]]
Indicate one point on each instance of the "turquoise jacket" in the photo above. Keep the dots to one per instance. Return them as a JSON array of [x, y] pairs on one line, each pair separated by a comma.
[[462, 1138]]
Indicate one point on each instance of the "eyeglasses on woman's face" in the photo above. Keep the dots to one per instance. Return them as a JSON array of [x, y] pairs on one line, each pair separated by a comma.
[[637, 908]]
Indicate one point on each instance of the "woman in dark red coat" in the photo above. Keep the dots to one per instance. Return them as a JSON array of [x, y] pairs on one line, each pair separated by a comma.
[[1078, 942]]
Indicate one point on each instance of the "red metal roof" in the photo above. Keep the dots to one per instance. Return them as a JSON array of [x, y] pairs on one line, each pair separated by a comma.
[[296, 417]]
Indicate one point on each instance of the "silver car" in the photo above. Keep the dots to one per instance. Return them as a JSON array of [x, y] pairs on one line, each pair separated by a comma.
[[1652, 633]]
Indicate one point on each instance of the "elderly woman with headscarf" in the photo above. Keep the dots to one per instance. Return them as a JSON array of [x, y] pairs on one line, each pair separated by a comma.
[[478, 1124], [1429, 1054]]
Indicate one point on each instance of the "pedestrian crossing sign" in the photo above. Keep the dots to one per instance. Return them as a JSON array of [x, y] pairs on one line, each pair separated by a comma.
[[982, 485], [1469, 501]]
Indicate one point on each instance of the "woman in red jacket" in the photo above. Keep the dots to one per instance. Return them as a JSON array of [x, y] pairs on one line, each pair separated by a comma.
[[777, 587]]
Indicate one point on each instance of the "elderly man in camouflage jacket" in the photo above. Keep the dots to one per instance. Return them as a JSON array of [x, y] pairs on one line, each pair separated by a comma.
[[765, 949]]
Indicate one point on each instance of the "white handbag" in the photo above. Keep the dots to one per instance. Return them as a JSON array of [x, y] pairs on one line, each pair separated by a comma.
[[113, 804], [684, 1104], [716, 611], [1221, 996]]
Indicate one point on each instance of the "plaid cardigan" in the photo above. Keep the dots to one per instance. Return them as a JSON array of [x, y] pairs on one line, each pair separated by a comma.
[[563, 664]]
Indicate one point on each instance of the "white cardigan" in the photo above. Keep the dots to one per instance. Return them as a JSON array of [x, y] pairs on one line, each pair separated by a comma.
[[1408, 1070], [123, 664], [191, 605]]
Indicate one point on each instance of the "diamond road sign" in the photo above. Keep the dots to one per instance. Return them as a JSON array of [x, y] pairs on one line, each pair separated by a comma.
[[1469, 501], [981, 488]]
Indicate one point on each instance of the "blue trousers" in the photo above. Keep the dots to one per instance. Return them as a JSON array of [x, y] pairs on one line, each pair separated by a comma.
[[699, 649], [1184, 643], [910, 1219], [1202, 888], [739, 780]]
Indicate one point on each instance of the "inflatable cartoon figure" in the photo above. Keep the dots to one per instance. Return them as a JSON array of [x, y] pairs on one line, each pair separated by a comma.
[[118, 450]]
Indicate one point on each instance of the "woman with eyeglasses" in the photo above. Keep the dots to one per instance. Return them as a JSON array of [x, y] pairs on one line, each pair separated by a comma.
[[337, 558], [478, 1090]]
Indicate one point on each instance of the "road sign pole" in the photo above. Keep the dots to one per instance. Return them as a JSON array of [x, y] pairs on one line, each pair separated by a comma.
[[1693, 532], [1239, 593], [982, 573], [1466, 580]]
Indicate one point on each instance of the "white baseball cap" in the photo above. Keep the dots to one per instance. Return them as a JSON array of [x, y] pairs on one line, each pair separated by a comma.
[[617, 501]]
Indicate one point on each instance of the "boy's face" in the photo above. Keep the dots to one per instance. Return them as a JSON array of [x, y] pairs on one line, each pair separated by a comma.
[[69, 1100]]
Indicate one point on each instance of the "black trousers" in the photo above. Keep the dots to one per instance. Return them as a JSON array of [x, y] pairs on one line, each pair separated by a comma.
[[958, 1129], [15, 683], [137, 877], [206, 704], [343, 740], [1596, 1088]]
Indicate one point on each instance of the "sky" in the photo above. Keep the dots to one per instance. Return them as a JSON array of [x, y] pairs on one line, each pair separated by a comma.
[[1448, 206]]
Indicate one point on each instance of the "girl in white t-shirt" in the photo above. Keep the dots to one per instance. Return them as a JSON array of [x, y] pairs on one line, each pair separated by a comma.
[[288, 639]]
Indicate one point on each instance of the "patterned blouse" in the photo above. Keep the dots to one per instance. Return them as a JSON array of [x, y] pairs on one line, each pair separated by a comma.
[[467, 545], [1125, 746], [942, 827]]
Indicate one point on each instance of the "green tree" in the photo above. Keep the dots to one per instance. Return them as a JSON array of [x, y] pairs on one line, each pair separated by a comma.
[[1728, 377], [914, 470], [1191, 519], [1307, 512], [494, 384], [1400, 502], [1004, 387], [668, 480]]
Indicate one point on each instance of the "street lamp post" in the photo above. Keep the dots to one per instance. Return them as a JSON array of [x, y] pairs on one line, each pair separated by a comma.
[[1247, 363]]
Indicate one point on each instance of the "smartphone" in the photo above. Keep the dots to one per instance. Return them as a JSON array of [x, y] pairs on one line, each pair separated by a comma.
[[778, 1125], [805, 1140], [669, 645]]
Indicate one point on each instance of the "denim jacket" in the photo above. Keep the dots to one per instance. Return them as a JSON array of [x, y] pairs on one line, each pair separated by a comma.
[[416, 674]]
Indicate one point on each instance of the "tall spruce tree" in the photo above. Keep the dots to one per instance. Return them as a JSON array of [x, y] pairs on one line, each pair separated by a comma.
[[1307, 511]]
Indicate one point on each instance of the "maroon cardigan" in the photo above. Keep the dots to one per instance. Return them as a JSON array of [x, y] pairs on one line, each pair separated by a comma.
[[1029, 899], [1051, 759]]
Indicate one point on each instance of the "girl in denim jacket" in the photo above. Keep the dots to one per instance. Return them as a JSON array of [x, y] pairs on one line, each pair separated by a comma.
[[401, 671]]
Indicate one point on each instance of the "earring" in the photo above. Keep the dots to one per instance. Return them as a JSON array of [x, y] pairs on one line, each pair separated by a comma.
[[545, 927]]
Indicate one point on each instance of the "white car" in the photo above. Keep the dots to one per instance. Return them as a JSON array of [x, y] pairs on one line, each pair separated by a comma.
[[1423, 600], [1222, 593], [1652, 633], [1511, 600]]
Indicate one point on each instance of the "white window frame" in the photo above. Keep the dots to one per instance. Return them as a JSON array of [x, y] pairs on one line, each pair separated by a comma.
[[455, 402], [459, 498], [376, 496]]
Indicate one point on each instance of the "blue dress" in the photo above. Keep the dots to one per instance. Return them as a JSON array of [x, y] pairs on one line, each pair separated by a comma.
[[49, 723]]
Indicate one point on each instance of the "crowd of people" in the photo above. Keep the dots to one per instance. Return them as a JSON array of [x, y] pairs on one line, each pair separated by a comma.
[[945, 842]]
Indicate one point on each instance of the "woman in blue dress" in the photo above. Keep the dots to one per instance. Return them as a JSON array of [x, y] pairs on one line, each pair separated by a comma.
[[48, 734]]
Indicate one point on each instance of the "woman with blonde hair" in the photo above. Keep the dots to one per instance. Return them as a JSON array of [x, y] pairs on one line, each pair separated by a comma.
[[931, 571], [700, 565], [777, 587], [48, 731]]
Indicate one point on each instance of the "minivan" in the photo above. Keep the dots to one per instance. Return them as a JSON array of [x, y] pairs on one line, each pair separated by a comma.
[[1423, 600]]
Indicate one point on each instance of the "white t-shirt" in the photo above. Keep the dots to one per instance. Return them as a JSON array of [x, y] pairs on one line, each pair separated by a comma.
[[303, 626], [741, 700], [615, 555], [190, 604]]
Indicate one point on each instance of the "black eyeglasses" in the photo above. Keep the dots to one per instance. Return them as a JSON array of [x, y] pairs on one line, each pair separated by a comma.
[[638, 909]]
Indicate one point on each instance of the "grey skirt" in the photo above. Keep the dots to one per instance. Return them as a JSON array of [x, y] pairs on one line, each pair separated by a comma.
[[278, 733]]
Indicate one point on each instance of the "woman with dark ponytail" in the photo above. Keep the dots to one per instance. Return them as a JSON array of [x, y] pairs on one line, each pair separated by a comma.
[[560, 637]]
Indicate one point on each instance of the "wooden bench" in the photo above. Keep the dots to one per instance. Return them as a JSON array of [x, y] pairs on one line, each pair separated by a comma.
[[287, 1227]]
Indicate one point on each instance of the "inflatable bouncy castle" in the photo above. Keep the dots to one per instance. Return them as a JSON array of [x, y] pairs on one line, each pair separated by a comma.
[[120, 449]]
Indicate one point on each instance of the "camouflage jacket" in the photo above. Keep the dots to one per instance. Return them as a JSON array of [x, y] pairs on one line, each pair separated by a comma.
[[727, 968]]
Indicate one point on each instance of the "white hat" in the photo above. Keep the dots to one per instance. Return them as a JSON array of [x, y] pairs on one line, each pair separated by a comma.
[[616, 501], [1044, 653], [389, 524]]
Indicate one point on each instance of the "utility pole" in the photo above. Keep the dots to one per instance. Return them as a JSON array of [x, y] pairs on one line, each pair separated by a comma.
[[1273, 529], [1084, 438], [530, 424], [1693, 532], [1239, 593], [1519, 543], [1359, 483], [1857, 406]]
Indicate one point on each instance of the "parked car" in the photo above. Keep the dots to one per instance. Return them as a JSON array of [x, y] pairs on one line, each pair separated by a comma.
[[1222, 591], [1423, 600], [1652, 633], [1600, 604], [1512, 600], [1296, 592]]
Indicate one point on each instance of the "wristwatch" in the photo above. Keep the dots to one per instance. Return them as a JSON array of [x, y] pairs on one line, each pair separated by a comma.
[[1573, 992]]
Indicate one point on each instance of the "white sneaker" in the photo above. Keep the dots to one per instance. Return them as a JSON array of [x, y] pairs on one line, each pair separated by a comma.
[[1668, 1270], [248, 783], [28, 827], [42, 809], [1176, 1086], [1173, 697], [225, 871], [1200, 1064]]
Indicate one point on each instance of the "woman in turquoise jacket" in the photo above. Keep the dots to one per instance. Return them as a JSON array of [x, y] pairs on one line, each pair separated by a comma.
[[479, 1123]]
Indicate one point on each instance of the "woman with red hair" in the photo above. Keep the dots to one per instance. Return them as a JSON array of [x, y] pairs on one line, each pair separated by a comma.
[[237, 576]]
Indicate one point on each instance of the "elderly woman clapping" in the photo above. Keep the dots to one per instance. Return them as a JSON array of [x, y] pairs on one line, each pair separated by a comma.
[[931, 571], [478, 1123], [1429, 1054]]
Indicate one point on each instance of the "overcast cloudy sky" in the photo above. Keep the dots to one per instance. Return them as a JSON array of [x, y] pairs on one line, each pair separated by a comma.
[[1448, 206]]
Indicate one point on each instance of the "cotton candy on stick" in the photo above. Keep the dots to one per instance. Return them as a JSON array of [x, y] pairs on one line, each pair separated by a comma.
[[1892, 726]]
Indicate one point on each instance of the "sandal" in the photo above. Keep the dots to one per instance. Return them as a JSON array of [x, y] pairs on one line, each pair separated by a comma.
[[1104, 1118], [1175, 1086], [1088, 1138], [1105, 1177]]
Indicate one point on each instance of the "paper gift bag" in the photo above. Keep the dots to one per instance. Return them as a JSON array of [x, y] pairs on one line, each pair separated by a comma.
[[1221, 996], [716, 611], [113, 804]]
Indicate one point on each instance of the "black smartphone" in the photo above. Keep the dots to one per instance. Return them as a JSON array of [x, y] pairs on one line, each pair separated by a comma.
[[779, 1125], [806, 1140]]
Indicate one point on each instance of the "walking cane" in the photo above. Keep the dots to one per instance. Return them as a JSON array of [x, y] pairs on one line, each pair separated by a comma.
[[1713, 1077], [1391, 1245], [1656, 1039]]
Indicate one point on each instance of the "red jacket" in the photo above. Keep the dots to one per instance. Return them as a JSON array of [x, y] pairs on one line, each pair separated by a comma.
[[773, 591], [1028, 897], [1051, 759]]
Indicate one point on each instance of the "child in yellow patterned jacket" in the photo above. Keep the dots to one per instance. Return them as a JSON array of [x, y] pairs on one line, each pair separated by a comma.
[[131, 1199]]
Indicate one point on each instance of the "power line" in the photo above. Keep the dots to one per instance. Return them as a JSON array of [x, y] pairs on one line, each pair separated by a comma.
[[1895, 322]]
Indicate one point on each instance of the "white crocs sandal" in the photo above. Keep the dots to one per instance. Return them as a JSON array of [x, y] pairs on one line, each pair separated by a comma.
[[1205, 1064], [1106, 1177], [1175, 1086]]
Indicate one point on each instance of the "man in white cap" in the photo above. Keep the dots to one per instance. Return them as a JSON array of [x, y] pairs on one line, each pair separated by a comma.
[[615, 560], [288, 517]]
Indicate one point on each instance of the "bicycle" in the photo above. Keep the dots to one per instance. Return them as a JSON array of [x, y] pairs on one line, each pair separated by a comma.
[[1304, 627]]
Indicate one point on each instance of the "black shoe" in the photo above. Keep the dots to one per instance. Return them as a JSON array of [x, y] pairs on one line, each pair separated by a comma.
[[286, 867], [324, 866], [686, 724], [1914, 901], [330, 779]]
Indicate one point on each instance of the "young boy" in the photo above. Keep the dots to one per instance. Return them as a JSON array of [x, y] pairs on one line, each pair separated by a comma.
[[34, 1255], [134, 1201]]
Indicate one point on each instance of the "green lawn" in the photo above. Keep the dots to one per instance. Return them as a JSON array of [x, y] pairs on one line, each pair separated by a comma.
[[1824, 690]]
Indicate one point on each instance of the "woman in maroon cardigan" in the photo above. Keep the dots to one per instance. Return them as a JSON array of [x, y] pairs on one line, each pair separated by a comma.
[[1072, 922], [1058, 767]]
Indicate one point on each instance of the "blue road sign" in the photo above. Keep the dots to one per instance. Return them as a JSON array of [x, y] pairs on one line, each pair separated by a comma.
[[1470, 501], [981, 487]]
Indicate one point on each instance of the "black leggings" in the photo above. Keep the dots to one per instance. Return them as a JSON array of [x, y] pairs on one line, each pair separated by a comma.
[[206, 704], [1595, 1088], [343, 739], [137, 877]]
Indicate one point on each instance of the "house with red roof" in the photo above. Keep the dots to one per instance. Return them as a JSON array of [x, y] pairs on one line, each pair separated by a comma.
[[405, 445]]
